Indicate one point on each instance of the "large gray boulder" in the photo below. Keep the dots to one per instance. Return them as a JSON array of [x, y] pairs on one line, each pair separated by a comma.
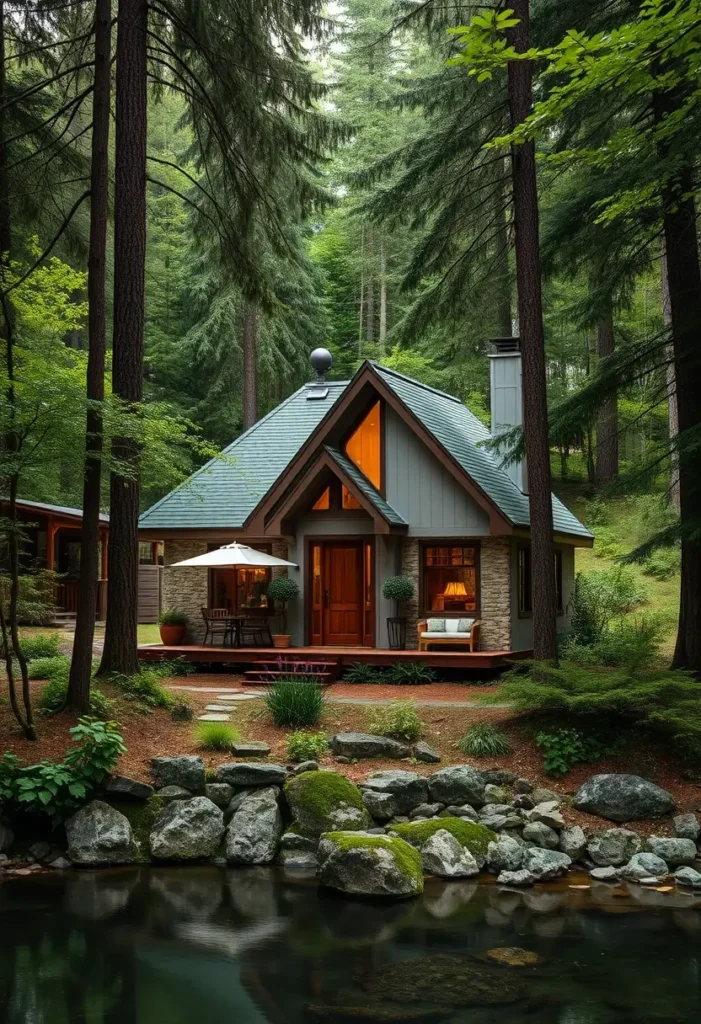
[[623, 798], [673, 851], [573, 842], [458, 784], [545, 864], [254, 832], [187, 830], [423, 751], [220, 793], [369, 865], [613, 847], [98, 834], [408, 788], [686, 826], [243, 774], [548, 813], [382, 806], [186, 770], [538, 834], [643, 865], [505, 854], [442, 855], [325, 802], [364, 744]]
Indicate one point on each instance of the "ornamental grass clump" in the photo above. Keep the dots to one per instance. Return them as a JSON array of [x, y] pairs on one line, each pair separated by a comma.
[[484, 740], [399, 720], [295, 704], [215, 736]]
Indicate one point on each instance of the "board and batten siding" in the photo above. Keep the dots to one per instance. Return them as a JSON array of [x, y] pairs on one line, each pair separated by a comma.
[[423, 492]]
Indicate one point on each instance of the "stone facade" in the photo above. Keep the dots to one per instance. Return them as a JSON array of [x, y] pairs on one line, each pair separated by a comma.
[[410, 568], [280, 551], [495, 601], [186, 589]]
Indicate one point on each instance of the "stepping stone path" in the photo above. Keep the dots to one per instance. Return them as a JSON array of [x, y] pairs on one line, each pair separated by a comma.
[[212, 717], [234, 697], [218, 707]]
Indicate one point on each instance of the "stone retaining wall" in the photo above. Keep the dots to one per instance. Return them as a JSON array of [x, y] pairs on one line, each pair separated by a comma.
[[495, 598]]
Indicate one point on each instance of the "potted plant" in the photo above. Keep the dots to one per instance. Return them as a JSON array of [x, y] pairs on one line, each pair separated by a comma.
[[282, 589], [399, 589], [171, 625]]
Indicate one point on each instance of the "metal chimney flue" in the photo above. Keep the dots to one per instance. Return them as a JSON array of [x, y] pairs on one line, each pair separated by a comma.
[[506, 397]]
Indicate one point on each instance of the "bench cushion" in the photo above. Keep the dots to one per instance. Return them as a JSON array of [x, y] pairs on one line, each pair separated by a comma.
[[445, 635]]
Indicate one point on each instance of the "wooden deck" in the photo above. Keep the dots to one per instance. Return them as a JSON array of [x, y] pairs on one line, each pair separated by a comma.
[[340, 657]]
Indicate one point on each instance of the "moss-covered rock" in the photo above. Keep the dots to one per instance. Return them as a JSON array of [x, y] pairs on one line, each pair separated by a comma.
[[370, 865], [325, 802], [473, 836]]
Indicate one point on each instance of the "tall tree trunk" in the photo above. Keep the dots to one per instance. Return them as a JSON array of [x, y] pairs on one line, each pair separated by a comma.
[[78, 697], [12, 650], [684, 275], [370, 289], [673, 412], [530, 313], [502, 276], [607, 422], [383, 296], [250, 366], [120, 653]]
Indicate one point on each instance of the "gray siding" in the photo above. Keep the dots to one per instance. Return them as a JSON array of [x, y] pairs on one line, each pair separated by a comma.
[[522, 628], [506, 404], [425, 494]]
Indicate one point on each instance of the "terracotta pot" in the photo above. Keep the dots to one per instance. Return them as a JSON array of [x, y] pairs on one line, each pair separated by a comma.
[[281, 640], [172, 636]]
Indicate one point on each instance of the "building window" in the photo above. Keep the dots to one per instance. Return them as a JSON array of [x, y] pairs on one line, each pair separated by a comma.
[[525, 582], [240, 589], [348, 500], [323, 502], [364, 449], [450, 579]]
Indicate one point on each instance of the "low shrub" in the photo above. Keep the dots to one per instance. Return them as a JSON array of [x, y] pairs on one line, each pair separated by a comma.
[[606, 543], [294, 703], [306, 746], [172, 617], [600, 598], [52, 698], [410, 673], [483, 739], [48, 668], [56, 789], [359, 673], [564, 748], [632, 644], [596, 513], [215, 735], [400, 720], [662, 564], [143, 688], [40, 645], [169, 667]]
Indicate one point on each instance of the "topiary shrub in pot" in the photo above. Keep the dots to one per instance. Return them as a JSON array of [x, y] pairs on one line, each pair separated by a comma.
[[171, 625], [399, 589], [283, 589]]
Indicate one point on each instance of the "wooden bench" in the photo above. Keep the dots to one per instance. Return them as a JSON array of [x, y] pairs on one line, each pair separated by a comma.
[[471, 641]]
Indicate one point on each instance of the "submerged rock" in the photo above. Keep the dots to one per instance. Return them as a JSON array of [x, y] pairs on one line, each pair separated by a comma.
[[254, 832], [98, 834], [643, 865], [365, 744], [513, 956], [474, 837], [458, 784], [444, 979], [613, 847], [608, 874], [673, 851], [325, 802], [186, 770], [408, 788], [187, 830], [369, 865], [444, 856], [623, 798]]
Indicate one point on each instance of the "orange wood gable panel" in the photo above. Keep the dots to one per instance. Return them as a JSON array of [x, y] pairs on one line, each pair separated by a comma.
[[366, 380]]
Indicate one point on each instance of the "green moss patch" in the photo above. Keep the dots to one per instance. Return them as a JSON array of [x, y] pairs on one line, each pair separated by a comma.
[[406, 857], [141, 817], [470, 834], [325, 801]]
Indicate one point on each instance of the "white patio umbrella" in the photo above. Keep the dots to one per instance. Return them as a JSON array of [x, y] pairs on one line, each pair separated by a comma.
[[233, 555]]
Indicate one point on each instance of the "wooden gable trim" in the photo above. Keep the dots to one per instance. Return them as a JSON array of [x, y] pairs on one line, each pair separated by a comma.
[[499, 524], [300, 491]]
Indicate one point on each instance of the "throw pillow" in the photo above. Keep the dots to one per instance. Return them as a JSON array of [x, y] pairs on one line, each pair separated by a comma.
[[436, 625], [465, 625]]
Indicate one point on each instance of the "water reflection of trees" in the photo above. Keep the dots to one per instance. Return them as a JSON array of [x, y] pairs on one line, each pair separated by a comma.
[[168, 946]]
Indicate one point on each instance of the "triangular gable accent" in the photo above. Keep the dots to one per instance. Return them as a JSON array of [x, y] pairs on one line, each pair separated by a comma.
[[368, 378], [329, 460]]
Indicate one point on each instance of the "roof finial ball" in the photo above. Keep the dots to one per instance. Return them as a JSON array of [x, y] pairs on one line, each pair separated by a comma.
[[321, 360]]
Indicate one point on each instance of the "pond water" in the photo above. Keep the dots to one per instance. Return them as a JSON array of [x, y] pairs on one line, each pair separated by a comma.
[[210, 945]]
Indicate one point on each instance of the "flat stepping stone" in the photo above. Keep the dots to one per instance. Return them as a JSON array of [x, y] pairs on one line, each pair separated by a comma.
[[233, 697], [217, 707], [211, 717], [250, 748]]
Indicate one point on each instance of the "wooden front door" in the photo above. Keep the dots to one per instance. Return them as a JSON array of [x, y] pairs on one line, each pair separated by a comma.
[[340, 593]]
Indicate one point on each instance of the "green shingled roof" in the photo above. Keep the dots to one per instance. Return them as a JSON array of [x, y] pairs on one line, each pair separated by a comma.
[[224, 492], [370, 492]]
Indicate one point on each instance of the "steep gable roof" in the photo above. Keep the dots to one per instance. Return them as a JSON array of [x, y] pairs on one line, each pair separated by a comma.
[[368, 489]]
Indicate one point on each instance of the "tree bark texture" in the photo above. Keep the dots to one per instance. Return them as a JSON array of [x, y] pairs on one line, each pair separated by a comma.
[[370, 289], [120, 652], [607, 421], [383, 297], [502, 276], [672, 411], [78, 698], [530, 312], [250, 366]]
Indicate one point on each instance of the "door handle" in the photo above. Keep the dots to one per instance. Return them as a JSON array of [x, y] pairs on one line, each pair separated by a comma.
[[326, 598]]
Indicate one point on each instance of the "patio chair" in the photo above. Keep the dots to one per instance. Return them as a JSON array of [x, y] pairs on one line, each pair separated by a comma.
[[217, 624], [256, 632]]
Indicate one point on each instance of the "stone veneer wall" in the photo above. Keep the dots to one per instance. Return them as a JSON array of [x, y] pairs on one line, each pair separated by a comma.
[[186, 589], [410, 567], [495, 602]]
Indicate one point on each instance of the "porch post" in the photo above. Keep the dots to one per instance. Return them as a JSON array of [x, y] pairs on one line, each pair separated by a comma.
[[51, 530]]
